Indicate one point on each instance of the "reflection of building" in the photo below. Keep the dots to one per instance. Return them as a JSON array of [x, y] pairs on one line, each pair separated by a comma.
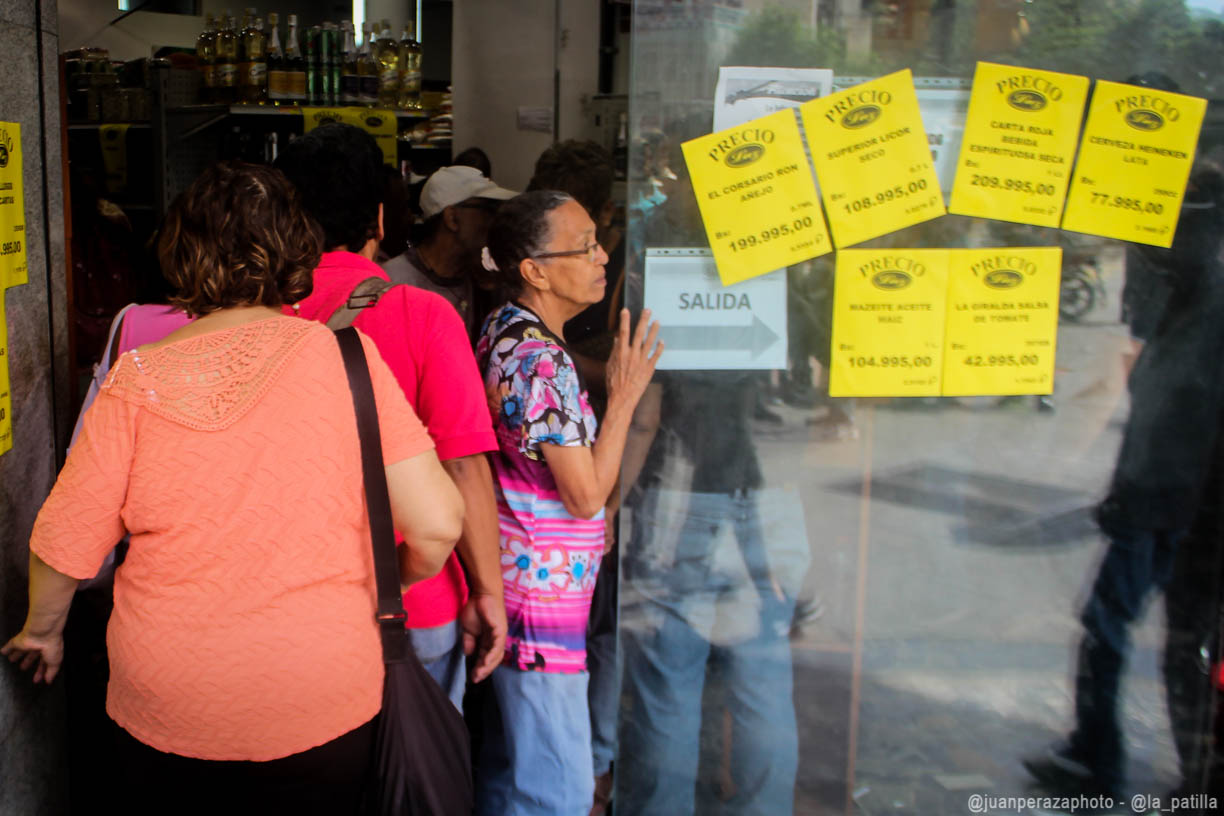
[[683, 43]]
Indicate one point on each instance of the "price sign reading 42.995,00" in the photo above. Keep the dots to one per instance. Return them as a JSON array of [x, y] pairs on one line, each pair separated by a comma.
[[757, 197], [1133, 164], [888, 320], [1002, 324], [873, 160]]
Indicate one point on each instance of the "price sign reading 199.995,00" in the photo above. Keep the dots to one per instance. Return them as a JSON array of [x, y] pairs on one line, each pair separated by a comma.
[[872, 158], [888, 322], [757, 197], [1134, 162], [1002, 324]]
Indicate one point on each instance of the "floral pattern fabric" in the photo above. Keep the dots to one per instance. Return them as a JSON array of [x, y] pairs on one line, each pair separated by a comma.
[[549, 558]]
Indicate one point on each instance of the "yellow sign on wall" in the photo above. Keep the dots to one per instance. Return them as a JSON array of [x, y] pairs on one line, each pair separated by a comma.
[[1134, 162], [1019, 143], [380, 124], [757, 197], [12, 208], [1002, 321], [888, 323], [872, 159]]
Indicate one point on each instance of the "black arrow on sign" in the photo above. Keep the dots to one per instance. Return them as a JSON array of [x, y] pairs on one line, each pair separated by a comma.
[[756, 338]]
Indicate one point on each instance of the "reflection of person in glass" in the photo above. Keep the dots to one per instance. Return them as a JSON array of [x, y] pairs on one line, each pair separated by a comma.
[[1163, 467], [710, 574]]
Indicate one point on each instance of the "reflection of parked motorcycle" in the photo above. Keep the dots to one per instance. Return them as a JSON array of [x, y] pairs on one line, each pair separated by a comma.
[[1082, 286]]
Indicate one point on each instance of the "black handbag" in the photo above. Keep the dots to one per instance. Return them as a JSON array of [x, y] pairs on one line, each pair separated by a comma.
[[422, 756]]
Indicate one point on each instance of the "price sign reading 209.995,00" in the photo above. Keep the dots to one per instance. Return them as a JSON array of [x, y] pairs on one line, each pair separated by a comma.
[[873, 160], [1020, 136], [888, 317], [757, 197]]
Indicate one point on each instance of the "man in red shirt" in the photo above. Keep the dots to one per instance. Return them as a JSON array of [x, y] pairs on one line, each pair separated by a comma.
[[337, 169]]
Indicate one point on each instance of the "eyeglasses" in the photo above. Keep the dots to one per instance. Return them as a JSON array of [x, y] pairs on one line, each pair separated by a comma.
[[590, 251]]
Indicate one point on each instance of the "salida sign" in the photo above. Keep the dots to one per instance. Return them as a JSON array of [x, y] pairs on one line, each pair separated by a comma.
[[708, 326]]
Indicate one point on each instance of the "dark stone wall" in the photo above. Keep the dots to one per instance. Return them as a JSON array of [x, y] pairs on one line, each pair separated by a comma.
[[32, 723]]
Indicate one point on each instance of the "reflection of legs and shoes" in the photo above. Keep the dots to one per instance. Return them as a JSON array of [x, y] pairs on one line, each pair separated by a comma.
[[1093, 759], [705, 617]]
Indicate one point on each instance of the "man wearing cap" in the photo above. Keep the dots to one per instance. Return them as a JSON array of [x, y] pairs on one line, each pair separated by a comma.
[[458, 204], [337, 170]]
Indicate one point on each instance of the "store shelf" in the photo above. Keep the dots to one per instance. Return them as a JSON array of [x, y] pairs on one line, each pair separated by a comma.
[[98, 125], [277, 110]]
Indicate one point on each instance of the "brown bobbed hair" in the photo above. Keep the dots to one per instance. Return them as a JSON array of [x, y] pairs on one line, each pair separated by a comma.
[[238, 237]]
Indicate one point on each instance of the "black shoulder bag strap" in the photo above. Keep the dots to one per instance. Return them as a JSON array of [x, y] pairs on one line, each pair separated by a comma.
[[391, 615], [363, 296], [422, 755]]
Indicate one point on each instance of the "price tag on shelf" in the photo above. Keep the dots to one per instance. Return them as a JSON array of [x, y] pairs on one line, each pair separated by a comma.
[[757, 197], [888, 323], [378, 123], [1134, 162], [872, 159], [1002, 324], [1020, 136], [12, 208]]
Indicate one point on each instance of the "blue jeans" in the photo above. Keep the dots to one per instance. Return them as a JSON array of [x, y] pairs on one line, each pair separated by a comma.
[[535, 756], [707, 592], [1136, 563], [440, 649]]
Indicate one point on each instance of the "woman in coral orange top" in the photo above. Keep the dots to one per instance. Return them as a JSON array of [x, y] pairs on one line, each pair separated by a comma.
[[246, 668]]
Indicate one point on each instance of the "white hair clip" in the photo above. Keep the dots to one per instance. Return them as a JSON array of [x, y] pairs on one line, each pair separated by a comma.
[[486, 260]]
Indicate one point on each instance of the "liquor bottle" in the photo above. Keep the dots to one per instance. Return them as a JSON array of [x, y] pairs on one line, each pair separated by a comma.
[[253, 75], [278, 86], [330, 63], [386, 51], [350, 77], [206, 56], [409, 69], [295, 66], [227, 62], [367, 66], [314, 70]]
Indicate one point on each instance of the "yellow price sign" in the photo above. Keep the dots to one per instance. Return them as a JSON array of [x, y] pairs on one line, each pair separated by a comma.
[[381, 124], [1134, 162], [12, 208], [1019, 143], [888, 323], [1002, 325], [6, 402], [757, 197], [872, 158]]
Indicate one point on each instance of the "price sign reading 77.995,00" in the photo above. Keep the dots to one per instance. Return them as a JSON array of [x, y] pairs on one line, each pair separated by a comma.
[[1133, 164], [757, 197]]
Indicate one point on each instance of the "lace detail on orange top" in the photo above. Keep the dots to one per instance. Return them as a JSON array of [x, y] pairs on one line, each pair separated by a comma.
[[208, 382]]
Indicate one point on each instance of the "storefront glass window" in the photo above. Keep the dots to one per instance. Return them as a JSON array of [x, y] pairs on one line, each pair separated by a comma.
[[886, 602]]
